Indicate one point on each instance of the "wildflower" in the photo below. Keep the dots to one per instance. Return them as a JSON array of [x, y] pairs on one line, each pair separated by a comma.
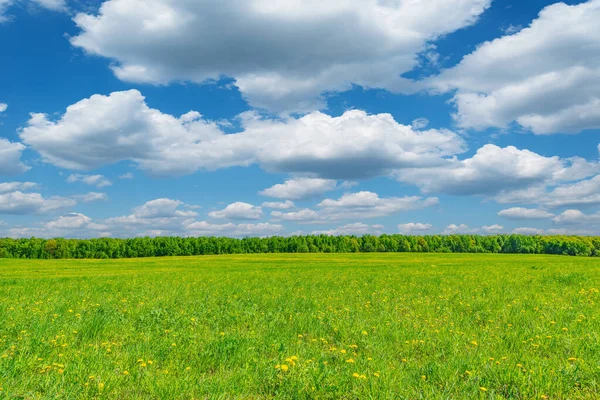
[[572, 359], [350, 360], [125, 373], [483, 389], [376, 374], [100, 386], [356, 375], [564, 329], [423, 377], [474, 343], [365, 333], [284, 368], [343, 351]]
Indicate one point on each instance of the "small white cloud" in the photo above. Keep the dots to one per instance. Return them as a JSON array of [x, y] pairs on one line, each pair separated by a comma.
[[285, 205], [127, 175], [19, 203], [525, 213], [300, 188], [412, 227], [528, 231], [92, 180], [420, 123], [6, 187], [357, 205], [454, 229], [356, 229], [492, 229], [576, 217], [238, 210], [91, 197], [3, 107], [10, 158]]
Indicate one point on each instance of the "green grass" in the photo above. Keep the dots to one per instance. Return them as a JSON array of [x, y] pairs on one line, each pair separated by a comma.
[[362, 326]]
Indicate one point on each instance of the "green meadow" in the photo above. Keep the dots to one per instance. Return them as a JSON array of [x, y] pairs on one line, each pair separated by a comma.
[[301, 326]]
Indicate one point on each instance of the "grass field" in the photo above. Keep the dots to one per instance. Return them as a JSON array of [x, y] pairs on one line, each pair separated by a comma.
[[360, 326]]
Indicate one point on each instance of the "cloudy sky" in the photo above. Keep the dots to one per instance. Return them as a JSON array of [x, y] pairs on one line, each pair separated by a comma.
[[256, 118]]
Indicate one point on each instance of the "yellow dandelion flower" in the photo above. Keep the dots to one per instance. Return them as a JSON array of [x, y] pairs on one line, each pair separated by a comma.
[[100, 386], [376, 374], [143, 365], [423, 377], [474, 343], [343, 351], [125, 373], [350, 360], [572, 359], [565, 329], [284, 368], [150, 362], [483, 389], [365, 333]]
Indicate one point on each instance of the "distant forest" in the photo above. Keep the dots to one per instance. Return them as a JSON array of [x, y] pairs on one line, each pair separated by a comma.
[[189, 246]]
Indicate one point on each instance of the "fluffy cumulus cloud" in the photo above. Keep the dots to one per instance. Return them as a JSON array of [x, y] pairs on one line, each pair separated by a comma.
[[279, 205], [6, 187], [3, 106], [204, 228], [238, 210], [10, 158], [92, 197], [414, 227], [525, 213], [283, 55], [495, 170], [54, 5], [583, 193], [545, 77], [576, 217], [356, 205], [104, 130], [22, 203], [300, 188], [99, 181], [529, 231], [74, 221], [357, 229]]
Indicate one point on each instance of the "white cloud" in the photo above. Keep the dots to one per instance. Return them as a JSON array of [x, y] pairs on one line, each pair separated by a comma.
[[54, 5], [74, 221], [104, 130], [454, 229], [525, 213], [494, 170], [300, 188], [285, 205], [127, 175], [283, 55], [3, 107], [91, 197], [204, 228], [576, 217], [357, 205], [492, 229], [19, 203], [162, 215], [529, 231], [585, 192], [6, 187], [546, 77], [10, 158], [92, 180], [238, 210], [356, 229], [420, 123], [413, 227]]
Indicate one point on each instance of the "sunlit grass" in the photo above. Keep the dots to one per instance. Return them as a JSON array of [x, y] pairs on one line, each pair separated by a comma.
[[302, 326]]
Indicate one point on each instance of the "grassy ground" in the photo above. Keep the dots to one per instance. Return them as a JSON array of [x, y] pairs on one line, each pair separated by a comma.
[[363, 326]]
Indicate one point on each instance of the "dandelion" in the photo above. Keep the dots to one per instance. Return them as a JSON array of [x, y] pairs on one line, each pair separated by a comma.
[[572, 359], [565, 329], [284, 368], [483, 389], [376, 374], [100, 386], [474, 343], [356, 375], [125, 372], [365, 333], [350, 360], [423, 377]]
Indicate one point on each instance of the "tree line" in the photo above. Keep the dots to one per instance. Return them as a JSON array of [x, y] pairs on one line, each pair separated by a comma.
[[59, 248]]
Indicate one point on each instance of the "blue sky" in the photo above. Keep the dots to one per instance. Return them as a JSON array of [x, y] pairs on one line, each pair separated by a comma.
[[261, 118]]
